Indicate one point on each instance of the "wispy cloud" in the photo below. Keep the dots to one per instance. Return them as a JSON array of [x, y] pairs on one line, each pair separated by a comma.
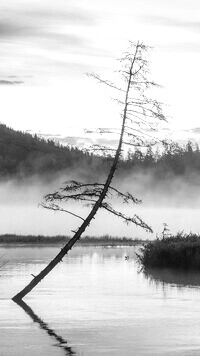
[[35, 39], [23, 26], [10, 82], [181, 47], [81, 141], [194, 130], [177, 24], [55, 14], [170, 21]]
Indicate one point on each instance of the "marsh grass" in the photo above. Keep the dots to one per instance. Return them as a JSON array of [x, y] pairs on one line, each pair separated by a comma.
[[181, 251], [105, 240]]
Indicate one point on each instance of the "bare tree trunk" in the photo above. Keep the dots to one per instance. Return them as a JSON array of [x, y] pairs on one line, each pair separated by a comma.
[[18, 297]]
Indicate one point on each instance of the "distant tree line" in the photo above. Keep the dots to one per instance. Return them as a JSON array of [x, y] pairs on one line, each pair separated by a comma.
[[23, 155], [172, 160]]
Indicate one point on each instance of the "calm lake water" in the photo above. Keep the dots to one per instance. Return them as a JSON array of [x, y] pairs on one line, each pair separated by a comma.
[[97, 303]]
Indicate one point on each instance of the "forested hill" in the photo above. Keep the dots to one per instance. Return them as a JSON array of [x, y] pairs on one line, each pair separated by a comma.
[[22, 155], [174, 160]]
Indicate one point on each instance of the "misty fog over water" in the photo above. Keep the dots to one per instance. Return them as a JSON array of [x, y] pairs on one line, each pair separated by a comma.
[[175, 202]]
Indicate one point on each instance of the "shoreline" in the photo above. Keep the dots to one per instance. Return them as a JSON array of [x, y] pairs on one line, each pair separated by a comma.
[[41, 240]]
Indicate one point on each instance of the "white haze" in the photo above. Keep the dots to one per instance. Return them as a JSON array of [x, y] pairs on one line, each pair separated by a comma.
[[175, 202]]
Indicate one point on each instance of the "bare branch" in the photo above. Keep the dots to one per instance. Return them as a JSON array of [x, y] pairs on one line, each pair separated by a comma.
[[135, 219], [58, 208], [100, 80], [86, 192], [143, 133]]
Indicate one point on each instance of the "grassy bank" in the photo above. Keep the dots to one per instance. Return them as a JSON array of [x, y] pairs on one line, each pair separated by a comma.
[[105, 240], [181, 251]]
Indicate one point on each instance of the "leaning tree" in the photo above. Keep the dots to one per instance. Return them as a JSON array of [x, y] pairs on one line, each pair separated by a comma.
[[138, 111]]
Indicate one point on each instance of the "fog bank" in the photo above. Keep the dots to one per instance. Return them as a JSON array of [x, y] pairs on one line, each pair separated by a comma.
[[175, 202]]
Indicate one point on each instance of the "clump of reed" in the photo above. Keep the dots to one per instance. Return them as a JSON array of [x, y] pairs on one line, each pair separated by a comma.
[[181, 251]]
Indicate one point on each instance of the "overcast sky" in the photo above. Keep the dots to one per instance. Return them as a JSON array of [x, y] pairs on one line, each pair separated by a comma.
[[47, 46]]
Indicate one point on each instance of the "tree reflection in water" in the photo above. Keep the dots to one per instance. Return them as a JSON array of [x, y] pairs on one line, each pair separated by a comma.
[[62, 343]]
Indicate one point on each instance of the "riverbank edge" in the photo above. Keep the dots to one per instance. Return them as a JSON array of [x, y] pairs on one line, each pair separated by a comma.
[[59, 240]]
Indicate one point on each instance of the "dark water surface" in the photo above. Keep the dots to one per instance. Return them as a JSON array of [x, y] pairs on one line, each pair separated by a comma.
[[96, 303]]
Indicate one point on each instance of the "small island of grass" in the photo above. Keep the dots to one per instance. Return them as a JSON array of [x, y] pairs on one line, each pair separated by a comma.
[[181, 251]]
